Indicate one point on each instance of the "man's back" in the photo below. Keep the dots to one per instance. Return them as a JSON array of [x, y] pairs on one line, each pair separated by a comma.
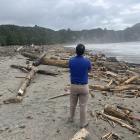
[[79, 67]]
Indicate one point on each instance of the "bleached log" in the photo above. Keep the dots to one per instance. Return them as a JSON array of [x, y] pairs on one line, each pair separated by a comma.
[[109, 110], [27, 81], [131, 79], [110, 73], [82, 134]]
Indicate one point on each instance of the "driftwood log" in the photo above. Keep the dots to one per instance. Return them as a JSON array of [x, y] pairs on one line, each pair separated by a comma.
[[27, 69], [116, 120], [29, 77], [109, 110], [30, 55], [99, 87], [47, 61], [126, 87], [59, 63], [131, 79], [82, 134], [27, 81]]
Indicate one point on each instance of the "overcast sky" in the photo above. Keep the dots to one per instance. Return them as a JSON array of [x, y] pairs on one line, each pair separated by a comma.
[[73, 14]]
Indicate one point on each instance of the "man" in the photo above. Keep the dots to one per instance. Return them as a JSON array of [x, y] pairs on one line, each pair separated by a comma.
[[79, 68]]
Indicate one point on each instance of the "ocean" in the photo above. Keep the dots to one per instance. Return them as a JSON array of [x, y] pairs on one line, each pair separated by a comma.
[[128, 51]]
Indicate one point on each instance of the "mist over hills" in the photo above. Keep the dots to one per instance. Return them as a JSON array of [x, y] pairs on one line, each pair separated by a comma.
[[20, 35]]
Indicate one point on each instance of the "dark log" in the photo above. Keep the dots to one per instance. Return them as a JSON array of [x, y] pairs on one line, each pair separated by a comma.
[[30, 55]]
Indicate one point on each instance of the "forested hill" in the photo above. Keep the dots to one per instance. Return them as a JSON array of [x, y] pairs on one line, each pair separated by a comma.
[[19, 35]]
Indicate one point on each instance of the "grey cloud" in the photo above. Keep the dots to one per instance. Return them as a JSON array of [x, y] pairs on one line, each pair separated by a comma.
[[77, 15]]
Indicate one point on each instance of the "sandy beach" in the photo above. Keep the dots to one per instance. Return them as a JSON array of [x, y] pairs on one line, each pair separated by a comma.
[[37, 118]]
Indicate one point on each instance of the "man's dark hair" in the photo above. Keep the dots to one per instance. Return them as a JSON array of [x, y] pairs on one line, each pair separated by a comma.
[[80, 49]]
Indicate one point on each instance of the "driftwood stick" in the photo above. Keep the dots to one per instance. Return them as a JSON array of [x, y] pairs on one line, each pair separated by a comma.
[[82, 134], [66, 94], [119, 122]]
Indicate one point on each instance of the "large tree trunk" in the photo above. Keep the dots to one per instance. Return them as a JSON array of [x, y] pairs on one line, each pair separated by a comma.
[[47, 61]]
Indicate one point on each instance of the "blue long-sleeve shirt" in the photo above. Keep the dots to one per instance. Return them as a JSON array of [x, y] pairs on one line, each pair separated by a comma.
[[79, 67]]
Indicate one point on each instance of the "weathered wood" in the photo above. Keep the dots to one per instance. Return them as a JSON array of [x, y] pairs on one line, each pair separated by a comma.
[[62, 95], [116, 120], [47, 72], [16, 99], [99, 87], [82, 134], [131, 79], [47, 61], [124, 108], [30, 55], [109, 110], [27, 69], [27, 81], [22, 68], [59, 63], [125, 87], [111, 81], [113, 74]]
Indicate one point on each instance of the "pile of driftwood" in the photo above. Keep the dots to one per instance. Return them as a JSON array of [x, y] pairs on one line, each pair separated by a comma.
[[120, 77], [123, 116], [31, 71]]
